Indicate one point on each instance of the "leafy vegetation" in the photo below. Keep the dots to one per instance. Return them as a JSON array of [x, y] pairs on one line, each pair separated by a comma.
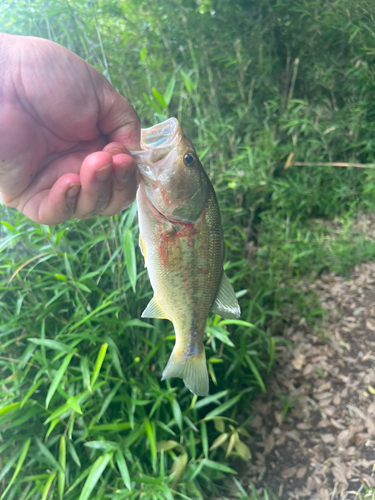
[[83, 413]]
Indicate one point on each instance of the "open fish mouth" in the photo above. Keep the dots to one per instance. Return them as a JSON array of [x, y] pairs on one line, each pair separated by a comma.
[[156, 142], [162, 135]]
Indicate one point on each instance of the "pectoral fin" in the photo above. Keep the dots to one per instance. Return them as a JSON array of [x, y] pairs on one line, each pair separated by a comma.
[[153, 310], [226, 304], [142, 246]]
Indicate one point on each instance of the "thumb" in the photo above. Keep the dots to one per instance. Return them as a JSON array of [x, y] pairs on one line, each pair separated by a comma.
[[117, 118]]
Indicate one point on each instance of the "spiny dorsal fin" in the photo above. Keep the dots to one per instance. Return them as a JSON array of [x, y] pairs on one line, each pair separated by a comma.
[[153, 310], [226, 304]]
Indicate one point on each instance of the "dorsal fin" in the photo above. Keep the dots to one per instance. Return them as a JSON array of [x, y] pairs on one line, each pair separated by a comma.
[[226, 303], [153, 310]]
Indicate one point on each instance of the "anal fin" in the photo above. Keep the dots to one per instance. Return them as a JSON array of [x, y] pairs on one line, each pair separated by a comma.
[[153, 310], [226, 303]]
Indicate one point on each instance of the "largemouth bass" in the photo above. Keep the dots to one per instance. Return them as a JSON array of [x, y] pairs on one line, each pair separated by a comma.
[[181, 239]]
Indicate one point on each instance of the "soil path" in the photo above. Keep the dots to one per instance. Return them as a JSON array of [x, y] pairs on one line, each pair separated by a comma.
[[314, 435]]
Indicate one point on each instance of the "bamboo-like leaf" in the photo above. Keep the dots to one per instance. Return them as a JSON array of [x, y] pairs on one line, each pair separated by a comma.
[[48, 455], [130, 258], [159, 98], [256, 373], [177, 413], [48, 485], [150, 428], [96, 471], [187, 81], [73, 404], [243, 450], [153, 104], [222, 408], [219, 440], [73, 453], [31, 391], [85, 373], [52, 344], [169, 90], [123, 468], [166, 445], [98, 364], [204, 438], [219, 424], [57, 378], [62, 462], [9, 408], [178, 467], [220, 334], [20, 462], [218, 466], [52, 425], [4, 471]]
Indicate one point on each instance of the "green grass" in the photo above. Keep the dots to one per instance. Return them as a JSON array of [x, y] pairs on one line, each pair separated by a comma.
[[83, 413]]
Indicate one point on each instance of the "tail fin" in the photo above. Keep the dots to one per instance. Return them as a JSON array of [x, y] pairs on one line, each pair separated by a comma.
[[192, 370]]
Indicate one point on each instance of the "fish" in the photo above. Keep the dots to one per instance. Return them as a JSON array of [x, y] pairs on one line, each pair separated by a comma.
[[181, 240]]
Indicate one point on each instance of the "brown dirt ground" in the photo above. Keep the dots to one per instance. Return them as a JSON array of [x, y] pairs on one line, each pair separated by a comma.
[[314, 432]]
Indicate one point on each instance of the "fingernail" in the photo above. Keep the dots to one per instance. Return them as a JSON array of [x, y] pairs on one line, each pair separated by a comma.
[[124, 172], [71, 195], [103, 173]]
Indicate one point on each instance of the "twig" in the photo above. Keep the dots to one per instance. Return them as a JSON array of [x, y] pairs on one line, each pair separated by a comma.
[[294, 77], [329, 164]]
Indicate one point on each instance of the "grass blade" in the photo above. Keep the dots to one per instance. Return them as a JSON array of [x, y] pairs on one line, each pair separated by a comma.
[[98, 364], [222, 408], [256, 373], [169, 90], [62, 462], [48, 485], [150, 431], [130, 258], [48, 455], [123, 468], [20, 462], [96, 471], [57, 378], [52, 344]]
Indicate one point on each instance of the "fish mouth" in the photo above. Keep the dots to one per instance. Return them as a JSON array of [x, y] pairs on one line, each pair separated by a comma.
[[156, 142], [162, 135]]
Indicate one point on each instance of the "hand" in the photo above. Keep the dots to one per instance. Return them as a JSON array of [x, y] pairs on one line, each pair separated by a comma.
[[65, 135]]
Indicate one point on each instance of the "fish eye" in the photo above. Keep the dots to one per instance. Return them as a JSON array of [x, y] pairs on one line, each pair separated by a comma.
[[189, 160]]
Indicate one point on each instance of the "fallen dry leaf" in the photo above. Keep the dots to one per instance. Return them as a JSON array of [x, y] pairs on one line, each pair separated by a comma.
[[324, 494], [301, 472], [339, 473], [269, 443], [328, 438], [289, 472]]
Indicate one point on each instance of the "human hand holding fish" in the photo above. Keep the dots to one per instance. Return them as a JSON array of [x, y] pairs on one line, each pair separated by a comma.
[[181, 240], [65, 134]]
